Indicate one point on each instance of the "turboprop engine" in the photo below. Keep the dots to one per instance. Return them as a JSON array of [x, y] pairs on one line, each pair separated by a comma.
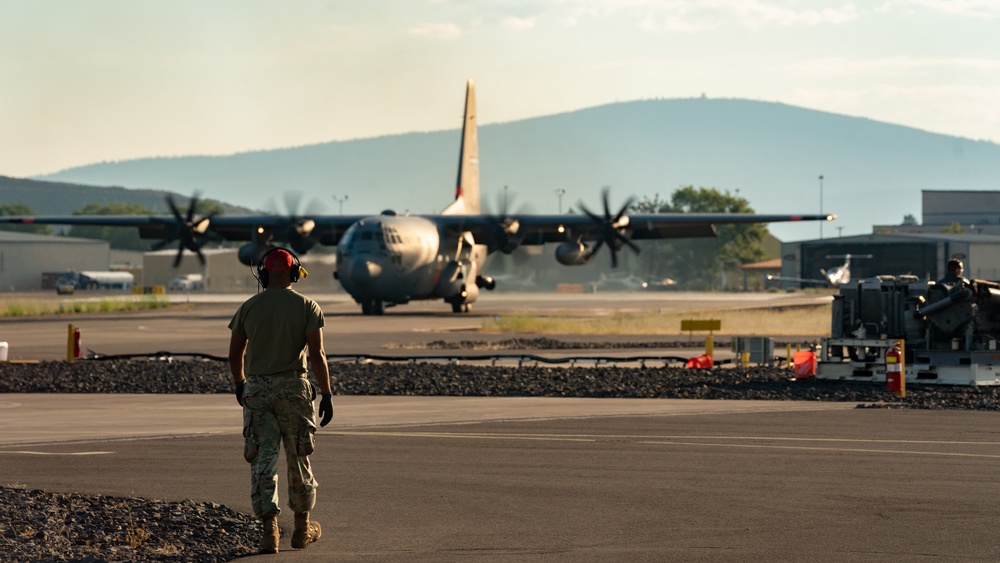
[[250, 254], [572, 253]]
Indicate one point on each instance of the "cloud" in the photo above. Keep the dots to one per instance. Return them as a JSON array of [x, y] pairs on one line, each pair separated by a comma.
[[893, 66], [441, 31], [518, 23], [983, 9], [689, 16]]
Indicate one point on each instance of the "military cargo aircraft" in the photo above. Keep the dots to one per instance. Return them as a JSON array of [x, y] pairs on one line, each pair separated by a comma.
[[391, 259]]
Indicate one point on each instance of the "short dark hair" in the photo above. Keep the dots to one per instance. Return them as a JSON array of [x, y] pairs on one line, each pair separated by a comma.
[[955, 265]]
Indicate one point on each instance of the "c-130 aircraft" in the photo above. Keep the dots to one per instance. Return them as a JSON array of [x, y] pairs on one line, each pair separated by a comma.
[[390, 259]]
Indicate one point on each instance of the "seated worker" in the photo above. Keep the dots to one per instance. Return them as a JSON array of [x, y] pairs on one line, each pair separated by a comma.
[[953, 277]]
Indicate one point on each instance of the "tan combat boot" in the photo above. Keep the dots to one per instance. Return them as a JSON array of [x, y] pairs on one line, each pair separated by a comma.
[[306, 531], [269, 538]]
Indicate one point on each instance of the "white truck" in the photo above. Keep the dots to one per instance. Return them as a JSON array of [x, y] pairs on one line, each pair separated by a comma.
[[187, 282]]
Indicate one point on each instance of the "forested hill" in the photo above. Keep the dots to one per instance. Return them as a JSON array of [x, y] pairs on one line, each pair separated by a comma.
[[771, 154], [57, 198]]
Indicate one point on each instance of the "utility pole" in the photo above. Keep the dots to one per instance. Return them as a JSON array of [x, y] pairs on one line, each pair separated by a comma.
[[821, 205], [340, 200], [559, 193]]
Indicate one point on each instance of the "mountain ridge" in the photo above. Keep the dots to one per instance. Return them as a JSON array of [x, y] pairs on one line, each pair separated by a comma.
[[770, 153]]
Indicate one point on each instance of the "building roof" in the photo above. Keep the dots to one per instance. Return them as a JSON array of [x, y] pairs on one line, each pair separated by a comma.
[[907, 237], [14, 237]]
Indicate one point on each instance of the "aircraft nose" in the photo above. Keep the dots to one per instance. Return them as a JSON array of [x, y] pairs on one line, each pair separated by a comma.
[[363, 271]]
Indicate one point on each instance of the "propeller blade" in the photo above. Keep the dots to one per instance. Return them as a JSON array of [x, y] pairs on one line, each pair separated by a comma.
[[174, 210]]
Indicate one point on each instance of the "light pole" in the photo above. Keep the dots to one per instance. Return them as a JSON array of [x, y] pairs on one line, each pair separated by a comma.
[[340, 200], [559, 193], [821, 205]]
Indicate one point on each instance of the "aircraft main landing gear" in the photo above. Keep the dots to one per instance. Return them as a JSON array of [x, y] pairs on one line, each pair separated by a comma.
[[461, 307], [374, 307]]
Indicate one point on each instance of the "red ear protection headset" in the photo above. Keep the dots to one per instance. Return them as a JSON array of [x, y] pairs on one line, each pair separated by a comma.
[[262, 273]]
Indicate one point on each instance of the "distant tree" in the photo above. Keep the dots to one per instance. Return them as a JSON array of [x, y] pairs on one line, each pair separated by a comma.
[[952, 228], [909, 220], [9, 209], [697, 263], [124, 238]]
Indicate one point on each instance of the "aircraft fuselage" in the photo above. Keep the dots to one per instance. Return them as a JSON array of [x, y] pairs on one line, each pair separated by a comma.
[[390, 260]]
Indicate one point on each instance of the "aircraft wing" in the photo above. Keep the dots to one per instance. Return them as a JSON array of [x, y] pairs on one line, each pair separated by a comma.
[[540, 229], [236, 227], [813, 281], [327, 229]]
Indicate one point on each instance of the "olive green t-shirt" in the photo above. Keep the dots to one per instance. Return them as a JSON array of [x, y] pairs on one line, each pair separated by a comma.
[[276, 322]]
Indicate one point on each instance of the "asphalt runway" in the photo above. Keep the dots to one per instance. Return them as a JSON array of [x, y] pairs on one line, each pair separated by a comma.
[[486, 479], [543, 479]]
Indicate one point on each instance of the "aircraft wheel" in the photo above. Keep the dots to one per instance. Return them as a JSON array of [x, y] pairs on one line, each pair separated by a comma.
[[378, 307], [366, 308]]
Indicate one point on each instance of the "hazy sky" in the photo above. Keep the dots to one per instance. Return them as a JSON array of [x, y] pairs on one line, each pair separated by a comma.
[[101, 80]]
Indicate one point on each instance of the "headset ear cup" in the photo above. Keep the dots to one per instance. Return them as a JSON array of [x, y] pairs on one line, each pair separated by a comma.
[[263, 278]]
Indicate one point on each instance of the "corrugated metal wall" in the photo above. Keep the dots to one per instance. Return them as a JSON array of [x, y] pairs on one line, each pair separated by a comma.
[[24, 258]]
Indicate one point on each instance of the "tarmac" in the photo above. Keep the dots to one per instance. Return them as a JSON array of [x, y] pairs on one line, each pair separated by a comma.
[[549, 479]]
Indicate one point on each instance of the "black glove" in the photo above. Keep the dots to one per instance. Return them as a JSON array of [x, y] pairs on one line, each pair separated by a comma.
[[239, 392], [326, 409]]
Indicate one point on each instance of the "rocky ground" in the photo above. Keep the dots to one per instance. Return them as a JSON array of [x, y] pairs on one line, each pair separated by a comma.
[[40, 526]]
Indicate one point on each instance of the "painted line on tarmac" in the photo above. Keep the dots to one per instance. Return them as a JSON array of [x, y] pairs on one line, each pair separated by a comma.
[[28, 452], [646, 437], [686, 441], [822, 449]]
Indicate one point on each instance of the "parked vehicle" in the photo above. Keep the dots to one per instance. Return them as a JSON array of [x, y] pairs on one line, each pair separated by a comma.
[[72, 281], [187, 282]]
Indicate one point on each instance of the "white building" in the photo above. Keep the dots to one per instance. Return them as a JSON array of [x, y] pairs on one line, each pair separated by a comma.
[[26, 259]]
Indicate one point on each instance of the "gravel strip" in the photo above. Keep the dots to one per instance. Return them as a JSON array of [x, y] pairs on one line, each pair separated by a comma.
[[450, 379], [40, 526]]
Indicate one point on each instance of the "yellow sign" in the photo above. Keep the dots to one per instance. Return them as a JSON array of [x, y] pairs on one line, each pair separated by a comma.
[[701, 324]]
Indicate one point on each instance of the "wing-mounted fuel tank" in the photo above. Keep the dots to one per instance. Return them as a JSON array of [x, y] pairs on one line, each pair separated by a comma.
[[573, 253], [250, 254]]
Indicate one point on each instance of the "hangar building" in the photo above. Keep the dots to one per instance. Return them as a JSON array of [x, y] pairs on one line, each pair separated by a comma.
[[27, 259], [223, 272], [923, 255]]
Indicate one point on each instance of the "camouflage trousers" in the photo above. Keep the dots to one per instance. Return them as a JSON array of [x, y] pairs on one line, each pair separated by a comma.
[[279, 409]]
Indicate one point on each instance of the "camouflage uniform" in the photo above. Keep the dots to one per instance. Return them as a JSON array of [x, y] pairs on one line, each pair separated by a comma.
[[279, 409], [278, 398]]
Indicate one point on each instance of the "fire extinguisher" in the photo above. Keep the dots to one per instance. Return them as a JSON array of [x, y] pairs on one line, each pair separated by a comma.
[[76, 342], [895, 370]]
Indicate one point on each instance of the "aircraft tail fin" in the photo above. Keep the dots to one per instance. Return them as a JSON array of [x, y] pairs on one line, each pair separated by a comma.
[[467, 186]]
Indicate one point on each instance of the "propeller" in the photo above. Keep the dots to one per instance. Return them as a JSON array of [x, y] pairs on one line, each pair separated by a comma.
[[301, 232], [190, 232], [505, 234], [612, 229]]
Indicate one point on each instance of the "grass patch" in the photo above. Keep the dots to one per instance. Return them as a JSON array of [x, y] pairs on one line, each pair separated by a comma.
[[107, 305], [776, 321]]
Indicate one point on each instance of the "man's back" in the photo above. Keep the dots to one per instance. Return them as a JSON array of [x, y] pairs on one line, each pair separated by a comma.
[[276, 322]]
